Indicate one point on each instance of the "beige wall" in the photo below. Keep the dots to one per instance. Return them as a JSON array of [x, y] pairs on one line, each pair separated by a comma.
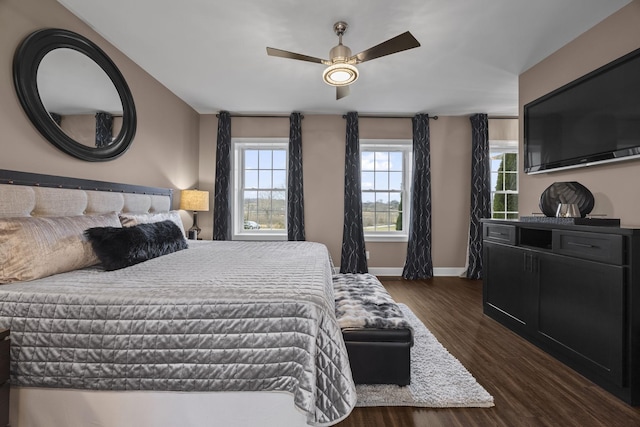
[[614, 186], [165, 149], [323, 139]]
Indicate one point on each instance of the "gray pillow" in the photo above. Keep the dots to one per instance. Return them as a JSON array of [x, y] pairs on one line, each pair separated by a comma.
[[35, 247]]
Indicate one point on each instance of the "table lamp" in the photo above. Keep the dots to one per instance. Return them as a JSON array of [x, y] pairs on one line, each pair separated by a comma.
[[194, 200]]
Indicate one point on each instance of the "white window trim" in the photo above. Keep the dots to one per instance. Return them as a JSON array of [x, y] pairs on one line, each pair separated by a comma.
[[505, 146], [237, 145], [405, 145]]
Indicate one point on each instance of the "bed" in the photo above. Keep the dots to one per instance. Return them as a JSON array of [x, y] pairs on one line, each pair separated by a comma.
[[220, 333]]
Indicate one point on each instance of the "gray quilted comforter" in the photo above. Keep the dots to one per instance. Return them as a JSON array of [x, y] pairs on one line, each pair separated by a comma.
[[220, 316]]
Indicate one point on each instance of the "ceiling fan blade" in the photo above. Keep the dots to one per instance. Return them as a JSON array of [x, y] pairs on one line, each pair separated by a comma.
[[342, 91], [290, 55], [397, 44]]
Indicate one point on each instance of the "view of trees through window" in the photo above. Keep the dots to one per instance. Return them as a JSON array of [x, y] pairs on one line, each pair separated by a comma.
[[264, 201], [504, 185], [382, 177]]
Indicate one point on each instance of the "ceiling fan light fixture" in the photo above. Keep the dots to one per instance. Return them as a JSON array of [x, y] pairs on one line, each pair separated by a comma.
[[340, 74]]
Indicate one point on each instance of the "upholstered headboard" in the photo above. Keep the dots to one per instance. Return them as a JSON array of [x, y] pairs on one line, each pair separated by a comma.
[[29, 194]]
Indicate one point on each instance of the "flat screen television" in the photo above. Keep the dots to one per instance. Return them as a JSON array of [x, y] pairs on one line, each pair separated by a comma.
[[592, 120]]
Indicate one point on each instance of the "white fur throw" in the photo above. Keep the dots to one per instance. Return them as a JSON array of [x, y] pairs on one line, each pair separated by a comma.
[[362, 302]]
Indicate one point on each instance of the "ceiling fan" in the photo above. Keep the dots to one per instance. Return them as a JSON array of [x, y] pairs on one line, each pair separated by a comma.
[[341, 70]]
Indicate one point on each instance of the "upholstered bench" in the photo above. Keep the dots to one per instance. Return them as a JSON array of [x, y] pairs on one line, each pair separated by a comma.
[[377, 335]]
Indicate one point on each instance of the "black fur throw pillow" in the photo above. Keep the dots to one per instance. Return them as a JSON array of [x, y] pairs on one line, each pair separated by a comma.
[[121, 247]]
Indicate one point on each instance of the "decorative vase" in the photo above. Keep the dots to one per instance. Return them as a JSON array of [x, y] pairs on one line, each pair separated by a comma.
[[566, 193]]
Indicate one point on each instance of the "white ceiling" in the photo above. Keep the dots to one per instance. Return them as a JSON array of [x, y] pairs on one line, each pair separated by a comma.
[[212, 54]]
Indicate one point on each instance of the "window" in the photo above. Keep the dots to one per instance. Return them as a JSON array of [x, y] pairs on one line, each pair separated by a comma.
[[260, 184], [504, 179], [385, 167]]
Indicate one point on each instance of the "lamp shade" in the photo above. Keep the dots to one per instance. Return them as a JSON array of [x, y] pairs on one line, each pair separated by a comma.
[[194, 200]]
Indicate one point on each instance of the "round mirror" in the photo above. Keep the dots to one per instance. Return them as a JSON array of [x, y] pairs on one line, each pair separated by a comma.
[[74, 95], [80, 97]]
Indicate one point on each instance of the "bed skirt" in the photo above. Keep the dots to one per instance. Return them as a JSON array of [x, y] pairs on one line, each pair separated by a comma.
[[37, 407]]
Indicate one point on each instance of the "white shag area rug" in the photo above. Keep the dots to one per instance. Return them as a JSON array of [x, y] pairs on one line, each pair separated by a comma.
[[438, 380]]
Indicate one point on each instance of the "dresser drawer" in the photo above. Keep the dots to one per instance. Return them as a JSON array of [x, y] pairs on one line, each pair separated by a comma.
[[500, 233], [608, 248]]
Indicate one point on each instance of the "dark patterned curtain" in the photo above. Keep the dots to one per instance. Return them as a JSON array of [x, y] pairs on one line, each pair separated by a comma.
[[419, 264], [480, 192], [295, 196], [104, 129], [222, 195], [56, 118], [353, 258]]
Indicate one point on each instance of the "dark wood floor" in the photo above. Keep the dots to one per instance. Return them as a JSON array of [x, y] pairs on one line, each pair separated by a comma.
[[529, 387]]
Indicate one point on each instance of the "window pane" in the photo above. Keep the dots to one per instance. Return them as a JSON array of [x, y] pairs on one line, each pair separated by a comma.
[[382, 221], [494, 181], [395, 180], [251, 179], [368, 180], [279, 159], [368, 197], [367, 162], [395, 214], [504, 183], [382, 200], [500, 184], [265, 179], [382, 180], [250, 206], [395, 161], [263, 170], [511, 181], [496, 161], [265, 159], [382, 161], [510, 161], [368, 202], [394, 201], [512, 202], [499, 203], [396, 220], [279, 179], [368, 221], [251, 159], [264, 201], [279, 219], [383, 172]]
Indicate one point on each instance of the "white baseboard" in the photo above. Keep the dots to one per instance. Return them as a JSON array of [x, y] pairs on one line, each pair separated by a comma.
[[397, 271]]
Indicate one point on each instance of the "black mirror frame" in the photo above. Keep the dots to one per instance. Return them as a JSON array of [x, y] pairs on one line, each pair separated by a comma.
[[25, 69]]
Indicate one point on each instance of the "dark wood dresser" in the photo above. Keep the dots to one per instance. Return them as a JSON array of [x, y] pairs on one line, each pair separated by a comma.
[[5, 342], [572, 290]]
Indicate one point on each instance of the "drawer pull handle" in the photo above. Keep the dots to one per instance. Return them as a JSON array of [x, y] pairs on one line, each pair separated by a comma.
[[581, 245], [500, 234]]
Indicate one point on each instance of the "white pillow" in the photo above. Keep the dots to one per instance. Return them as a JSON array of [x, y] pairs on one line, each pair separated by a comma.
[[129, 220]]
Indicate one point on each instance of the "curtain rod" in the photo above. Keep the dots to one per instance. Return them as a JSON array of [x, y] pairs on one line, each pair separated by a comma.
[[344, 116], [260, 116], [431, 117], [364, 116]]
